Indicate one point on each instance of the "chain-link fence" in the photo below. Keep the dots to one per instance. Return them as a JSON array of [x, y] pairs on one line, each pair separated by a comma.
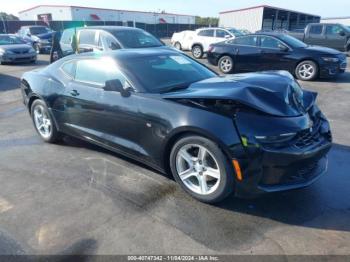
[[158, 30]]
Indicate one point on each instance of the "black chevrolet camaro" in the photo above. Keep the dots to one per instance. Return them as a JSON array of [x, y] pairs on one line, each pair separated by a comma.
[[276, 51], [247, 133]]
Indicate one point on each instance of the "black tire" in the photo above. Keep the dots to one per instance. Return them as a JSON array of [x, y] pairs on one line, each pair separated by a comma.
[[54, 135], [178, 46], [222, 187], [197, 51], [226, 64], [307, 75]]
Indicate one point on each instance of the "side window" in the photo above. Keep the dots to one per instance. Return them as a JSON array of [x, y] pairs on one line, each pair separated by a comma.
[[67, 35], [221, 33], [69, 68], [245, 40], [333, 29], [208, 32], [269, 42], [316, 29], [87, 37], [111, 42], [98, 71]]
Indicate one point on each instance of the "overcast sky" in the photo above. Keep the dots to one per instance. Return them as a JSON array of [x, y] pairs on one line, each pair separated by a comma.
[[325, 8]]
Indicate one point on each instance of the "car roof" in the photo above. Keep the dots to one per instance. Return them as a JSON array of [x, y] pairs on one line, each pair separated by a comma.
[[122, 54], [275, 34], [107, 28], [26, 26]]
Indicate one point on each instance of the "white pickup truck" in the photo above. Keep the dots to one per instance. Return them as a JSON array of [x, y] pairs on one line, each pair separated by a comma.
[[198, 41]]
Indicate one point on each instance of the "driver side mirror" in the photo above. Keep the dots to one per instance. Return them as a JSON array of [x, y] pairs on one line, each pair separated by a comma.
[[114, 46], [342, 33], [115, 85], [28, 34]]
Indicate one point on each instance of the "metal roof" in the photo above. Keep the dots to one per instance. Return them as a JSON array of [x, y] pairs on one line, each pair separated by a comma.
[[265, 6]]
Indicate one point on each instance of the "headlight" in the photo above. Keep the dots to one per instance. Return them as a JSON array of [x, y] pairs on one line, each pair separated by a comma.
[[8, 52], [330, 59], [44, 41], [31, 50]]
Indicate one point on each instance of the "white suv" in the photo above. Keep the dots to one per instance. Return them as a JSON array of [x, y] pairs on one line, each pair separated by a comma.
[[199, 41]]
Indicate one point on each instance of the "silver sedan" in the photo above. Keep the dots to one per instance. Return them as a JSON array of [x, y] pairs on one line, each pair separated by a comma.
[[14, 50]]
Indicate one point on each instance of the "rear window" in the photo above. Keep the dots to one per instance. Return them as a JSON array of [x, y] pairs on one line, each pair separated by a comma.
[[136, 38], [209, 32], [316, 29], [245, 40], [87, 37]]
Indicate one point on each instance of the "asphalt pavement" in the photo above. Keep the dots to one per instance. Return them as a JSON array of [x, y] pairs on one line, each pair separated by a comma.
[[76, 198]]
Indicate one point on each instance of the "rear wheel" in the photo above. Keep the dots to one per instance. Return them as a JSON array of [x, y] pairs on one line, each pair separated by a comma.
[[226, 64], [201, 168], [43, 122], [177, 46], [197, 51], [306, 70]]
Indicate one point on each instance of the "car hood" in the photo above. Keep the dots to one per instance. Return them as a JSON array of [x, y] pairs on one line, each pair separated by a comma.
[[15, 46], [323, 50], [270, 92]]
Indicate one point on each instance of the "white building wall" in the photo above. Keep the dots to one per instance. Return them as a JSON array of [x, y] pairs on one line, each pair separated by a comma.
[[58, 13], [250, 19], [84, 14], [344, 21]]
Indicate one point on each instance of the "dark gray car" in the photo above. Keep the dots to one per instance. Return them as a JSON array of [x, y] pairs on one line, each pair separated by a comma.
[[13, 49]]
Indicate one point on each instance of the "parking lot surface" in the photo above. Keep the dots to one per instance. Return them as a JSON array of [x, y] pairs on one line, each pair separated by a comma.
[[76, 198]]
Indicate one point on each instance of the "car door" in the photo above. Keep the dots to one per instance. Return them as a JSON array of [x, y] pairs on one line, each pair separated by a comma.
[[315, 35], [105, 117], [206, 37], [247, 56], [335, 37], [275, 55]]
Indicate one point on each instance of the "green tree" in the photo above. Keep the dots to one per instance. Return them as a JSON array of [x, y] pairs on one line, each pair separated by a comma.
[[8, 17], [213, 21]]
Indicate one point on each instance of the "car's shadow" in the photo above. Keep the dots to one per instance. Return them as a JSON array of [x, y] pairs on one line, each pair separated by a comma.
[[298, 207]]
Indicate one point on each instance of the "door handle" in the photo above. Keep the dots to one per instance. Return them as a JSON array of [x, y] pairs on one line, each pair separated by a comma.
[[74, 92]]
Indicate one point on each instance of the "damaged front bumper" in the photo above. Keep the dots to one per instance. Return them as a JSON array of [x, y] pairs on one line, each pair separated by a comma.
[[298, 163]]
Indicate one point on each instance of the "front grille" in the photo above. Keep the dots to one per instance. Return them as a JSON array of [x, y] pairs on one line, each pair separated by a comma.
[[306, 138], [21, 51]]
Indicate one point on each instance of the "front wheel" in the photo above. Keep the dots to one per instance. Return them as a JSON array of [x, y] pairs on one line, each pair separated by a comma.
[[177, 45], [197, 51], [201, 168], [226, 64], [306, 70], [43, 122]]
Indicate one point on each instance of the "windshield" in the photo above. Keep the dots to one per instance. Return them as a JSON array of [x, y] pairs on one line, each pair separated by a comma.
[[164, 73], [235, 32], [292, 41], [39, 30], [10, 40], [136, 38]]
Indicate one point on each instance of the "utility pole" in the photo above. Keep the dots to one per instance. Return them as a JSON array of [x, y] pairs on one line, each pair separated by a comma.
[[3, 23]]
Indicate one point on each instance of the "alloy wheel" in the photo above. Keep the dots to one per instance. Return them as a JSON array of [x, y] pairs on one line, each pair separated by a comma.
[[197, 52], [226, 65], [306, 71], [42, 121], [198, 169]]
